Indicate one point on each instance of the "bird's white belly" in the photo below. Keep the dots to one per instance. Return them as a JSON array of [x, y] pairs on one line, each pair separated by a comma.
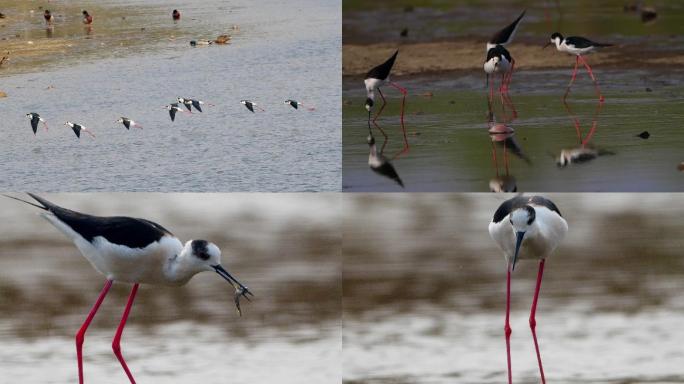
[[571, 49], [120, 263], [373, 84]]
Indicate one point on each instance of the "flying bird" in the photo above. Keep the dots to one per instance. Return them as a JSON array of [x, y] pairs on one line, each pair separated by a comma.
[[35, 119], [173, 108], [78, 129], [128, 123], [250, 105], [295, 104]]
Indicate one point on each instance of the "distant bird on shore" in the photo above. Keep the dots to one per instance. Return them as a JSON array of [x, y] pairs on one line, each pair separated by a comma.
[[578, 46], [295, 104], [35, 119], [526, 227], [375, 78], [49, 19], [128, 123], [133, 251], [250, 105], [173, 108], [78, 129], [379, 164], [498, 59], [87, 19], [176, 15]]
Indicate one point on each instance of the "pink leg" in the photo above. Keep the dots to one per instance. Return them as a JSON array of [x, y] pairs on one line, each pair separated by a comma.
[[533, 321], [507, 327], [117, 337], [591, 74], [384, 103], [572, 80], [404, 92], [575, 121], [80, 335], [505, 151], [494, 159]]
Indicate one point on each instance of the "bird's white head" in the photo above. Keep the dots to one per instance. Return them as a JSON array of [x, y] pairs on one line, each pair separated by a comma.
[[121, 120], [522, 221], [201, 255], [69, 124], [30, 116], [243, 102], [556, 38]]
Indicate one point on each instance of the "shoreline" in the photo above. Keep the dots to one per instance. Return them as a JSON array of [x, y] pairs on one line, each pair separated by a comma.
[[467, 55]]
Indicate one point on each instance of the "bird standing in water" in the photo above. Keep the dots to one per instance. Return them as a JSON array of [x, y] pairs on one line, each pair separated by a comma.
[[176, 15], [87, 19], [526, 228]]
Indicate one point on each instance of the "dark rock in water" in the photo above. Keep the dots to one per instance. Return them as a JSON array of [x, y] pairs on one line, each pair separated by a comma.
[[2, 15], [648, 89], [648, 14], [404, 32], [644, 135]]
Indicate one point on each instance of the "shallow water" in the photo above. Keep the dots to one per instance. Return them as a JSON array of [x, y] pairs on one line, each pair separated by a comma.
[[278, 53], [424, 292], [288, 256], [451, 150]]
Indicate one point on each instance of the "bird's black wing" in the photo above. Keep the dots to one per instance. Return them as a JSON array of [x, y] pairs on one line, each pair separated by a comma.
[[250, 107], [387, 170], [505, 35], [188, 105], [127, 123], [196, 104], [77, 130], [500, 51], [382, 71], [582, 42], [511, 205], [294, 104], [34, 123], [127, 231], [544, 202]]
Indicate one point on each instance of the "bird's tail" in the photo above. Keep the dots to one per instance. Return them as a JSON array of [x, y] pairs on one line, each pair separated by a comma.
[[604, 45]]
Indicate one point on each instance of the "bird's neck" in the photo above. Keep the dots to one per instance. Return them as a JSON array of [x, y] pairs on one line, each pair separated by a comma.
[[178, 270]]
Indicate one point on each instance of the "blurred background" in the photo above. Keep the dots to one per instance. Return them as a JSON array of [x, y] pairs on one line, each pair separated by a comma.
[[285, 247], [424, 292]]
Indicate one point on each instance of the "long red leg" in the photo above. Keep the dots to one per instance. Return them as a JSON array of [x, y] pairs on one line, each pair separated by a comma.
[[384, 103], [575, 121], [80, 335], [505, 151], [507, 326], [572, 80], [533, 321], [494, 159], [404, 92], [116, 342], [591, 74]]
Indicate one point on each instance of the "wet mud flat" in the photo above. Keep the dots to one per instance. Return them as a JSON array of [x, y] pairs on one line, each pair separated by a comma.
[[425, 292]]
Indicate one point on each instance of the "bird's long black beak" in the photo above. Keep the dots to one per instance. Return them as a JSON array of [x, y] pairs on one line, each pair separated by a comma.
[[369, 117], [518, 242], [487, 82], [240, 289], [547, 44]]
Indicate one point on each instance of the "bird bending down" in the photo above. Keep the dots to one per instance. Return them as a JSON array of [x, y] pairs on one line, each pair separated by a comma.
[[375, 78], [578, 46], [380, 164], [35, 119], [526, 228], [498, 59], [134, 251]]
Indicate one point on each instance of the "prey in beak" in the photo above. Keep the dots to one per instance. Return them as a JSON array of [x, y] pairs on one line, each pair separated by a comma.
[[240, 289]]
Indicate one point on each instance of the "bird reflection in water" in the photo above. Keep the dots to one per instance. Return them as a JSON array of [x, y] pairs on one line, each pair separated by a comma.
[[584, 152], [379, 163], [503, 136]]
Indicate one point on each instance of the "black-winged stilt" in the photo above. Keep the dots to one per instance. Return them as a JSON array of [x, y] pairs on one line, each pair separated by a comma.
[[78, 128], [190, 103], [577, 46], [35, 119], [296, 104], [375, 78], [526, 227], [173, 108], [250, 105], [128, 123], [133, 251], [380, 164], [498, 59]]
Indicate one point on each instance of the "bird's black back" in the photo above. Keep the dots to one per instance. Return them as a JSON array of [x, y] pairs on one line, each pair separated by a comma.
[[504, 36], [196, 104], [77, 130], [517, 202], [582, 42], [382, 71], [498, 51], [127, 231], [250, 107], [34, 123]]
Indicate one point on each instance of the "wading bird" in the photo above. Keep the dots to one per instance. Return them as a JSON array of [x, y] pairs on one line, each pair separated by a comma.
[[375, 78], [577, 46], [498, 59], [526, 227], [133, 251]]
